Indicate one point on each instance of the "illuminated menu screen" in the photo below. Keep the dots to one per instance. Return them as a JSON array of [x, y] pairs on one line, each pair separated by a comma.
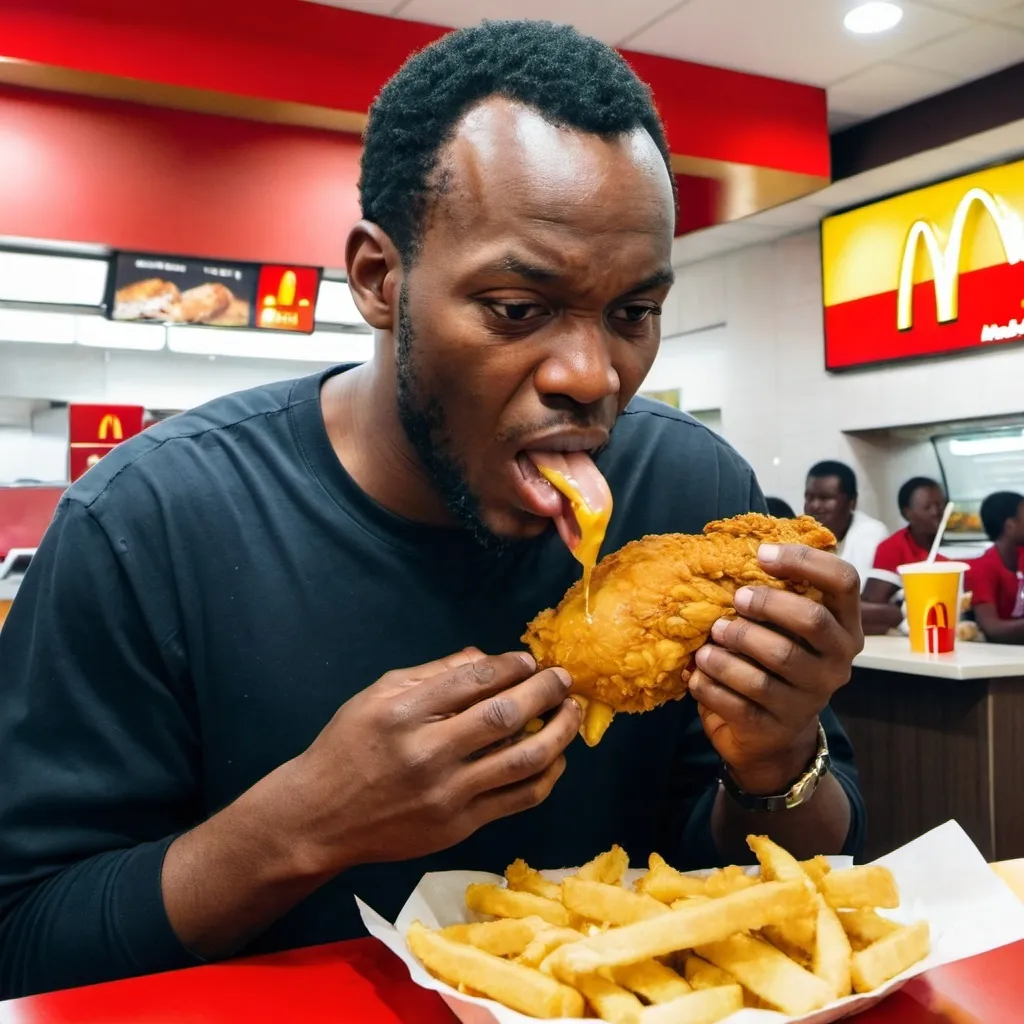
[[212, 293]]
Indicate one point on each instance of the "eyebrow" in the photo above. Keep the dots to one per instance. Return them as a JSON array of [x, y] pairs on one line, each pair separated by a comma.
[[511, 264]]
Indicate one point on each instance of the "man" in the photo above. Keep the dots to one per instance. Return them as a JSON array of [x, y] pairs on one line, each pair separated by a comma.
[[208, 737], [996, 580], [921, 502], [830, 495]]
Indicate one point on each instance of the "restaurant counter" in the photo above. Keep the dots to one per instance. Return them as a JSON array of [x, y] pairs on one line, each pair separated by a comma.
[[938, 737]]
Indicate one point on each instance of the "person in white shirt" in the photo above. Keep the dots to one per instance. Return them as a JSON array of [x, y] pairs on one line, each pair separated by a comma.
[[830, 496]]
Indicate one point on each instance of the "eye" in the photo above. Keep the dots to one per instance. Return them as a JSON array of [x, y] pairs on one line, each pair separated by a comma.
[[635, 314], [517, 312]]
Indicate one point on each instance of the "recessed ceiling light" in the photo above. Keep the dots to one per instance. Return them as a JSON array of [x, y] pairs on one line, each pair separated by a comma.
[[877, 16]]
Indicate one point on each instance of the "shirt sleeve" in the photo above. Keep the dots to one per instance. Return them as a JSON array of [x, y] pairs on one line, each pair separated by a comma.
[[698, 775], [887, 561], [99, 755]]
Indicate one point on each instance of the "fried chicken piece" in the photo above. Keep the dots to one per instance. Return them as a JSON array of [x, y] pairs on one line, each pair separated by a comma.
[[653, 604]]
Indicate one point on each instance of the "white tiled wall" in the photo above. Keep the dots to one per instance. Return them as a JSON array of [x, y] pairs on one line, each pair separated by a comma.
[[755, 349]]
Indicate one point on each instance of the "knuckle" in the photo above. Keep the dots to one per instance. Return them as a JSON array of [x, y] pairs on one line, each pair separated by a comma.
[[440, 804], [527, 758], [500, 715], [760, 601], [848, 579], [758, 685], [818, 617]]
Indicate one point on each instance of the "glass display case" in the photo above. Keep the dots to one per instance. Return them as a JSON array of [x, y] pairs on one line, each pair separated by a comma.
[[974, 465]]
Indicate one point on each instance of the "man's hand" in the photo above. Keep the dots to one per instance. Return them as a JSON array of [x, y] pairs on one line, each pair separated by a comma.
[[412, 764], [769, 673], [424, 757]]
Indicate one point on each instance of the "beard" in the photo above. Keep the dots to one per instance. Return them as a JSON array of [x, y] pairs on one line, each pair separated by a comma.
[[423, 419]]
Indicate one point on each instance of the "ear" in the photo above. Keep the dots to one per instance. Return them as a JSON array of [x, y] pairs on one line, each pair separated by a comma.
[[374, 274]]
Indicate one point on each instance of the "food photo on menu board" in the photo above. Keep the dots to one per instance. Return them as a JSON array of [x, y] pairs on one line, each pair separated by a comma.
[[214, 293]]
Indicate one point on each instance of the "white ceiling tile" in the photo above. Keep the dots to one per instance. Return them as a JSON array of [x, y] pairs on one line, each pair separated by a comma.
[[799, 40], [973, 8], [886, 87], [1011, 16], [610, 21], [967, 55]]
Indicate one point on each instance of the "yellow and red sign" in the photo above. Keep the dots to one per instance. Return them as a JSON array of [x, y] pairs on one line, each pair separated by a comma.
[[286, 298], [934, 271], [94, 429]]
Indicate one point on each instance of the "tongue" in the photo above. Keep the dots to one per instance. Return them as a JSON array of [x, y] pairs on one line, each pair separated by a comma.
[[577, 479]]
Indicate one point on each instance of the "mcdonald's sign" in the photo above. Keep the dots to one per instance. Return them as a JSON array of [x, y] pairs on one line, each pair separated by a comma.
[[286, 298], [94, 429], [934, 271]]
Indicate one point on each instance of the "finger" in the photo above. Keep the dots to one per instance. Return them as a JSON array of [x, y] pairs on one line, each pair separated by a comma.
[[500, 803], [527, 757], [810, 621], [780, 654], [454, 689], [506, 713], [837, 580], [748, 681]]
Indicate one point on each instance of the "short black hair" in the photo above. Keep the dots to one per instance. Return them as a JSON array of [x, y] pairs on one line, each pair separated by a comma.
[[573, 80], [996, 509], [911, 487], [846, 476], [779, 508]]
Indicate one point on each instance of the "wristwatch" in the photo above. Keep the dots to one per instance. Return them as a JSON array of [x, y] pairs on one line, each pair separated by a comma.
[[799, 793]]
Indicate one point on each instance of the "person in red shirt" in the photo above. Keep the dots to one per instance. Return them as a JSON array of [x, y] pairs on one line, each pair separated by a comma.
[[921, 502], [996, 580]]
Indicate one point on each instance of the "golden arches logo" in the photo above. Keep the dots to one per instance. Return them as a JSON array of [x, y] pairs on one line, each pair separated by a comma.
[[111, 425], [945, 261]]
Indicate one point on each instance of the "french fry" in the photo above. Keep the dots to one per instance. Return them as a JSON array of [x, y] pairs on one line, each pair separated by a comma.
[[505, 937], [768, 973], [522, 878], [599, 902], [853, 888], [609, 1001], [890, 956], [832, 951], [608, 867], [597, 716], [518, 987], [776, 863], [863, 927], [499, 902], [702, 975], [652, 980], [545, 942], [666, 884], [796, 936], [707, 1007], [817, 868], [689, 901], [748, 909], [728, 880]]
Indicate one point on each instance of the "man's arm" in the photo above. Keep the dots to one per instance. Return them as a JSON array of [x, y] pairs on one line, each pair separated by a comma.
[[997, 630], [99, 756], [878, 616]]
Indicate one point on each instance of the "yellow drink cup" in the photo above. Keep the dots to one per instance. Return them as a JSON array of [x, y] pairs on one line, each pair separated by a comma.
[[932, 593]]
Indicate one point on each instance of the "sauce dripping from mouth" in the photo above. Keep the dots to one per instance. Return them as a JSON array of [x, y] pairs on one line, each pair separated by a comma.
[[591, 524]]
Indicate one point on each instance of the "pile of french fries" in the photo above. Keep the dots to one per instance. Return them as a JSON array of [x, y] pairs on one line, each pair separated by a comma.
[[675, 948]]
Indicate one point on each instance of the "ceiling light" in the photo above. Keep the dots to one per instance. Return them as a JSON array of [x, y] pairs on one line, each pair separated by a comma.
[[877, 16]]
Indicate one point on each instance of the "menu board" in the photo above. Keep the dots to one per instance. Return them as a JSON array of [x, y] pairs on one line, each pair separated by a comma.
[[212, 293]]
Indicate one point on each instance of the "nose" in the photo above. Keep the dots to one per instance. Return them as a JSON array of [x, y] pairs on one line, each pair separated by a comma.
[[579, 365]]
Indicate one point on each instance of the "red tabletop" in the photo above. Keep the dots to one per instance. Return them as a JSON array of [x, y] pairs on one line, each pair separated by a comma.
[[362, 981]]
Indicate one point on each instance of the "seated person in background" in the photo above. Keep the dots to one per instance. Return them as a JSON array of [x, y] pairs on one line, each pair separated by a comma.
[[996, 580], [779, 508], [831, 497], [921, 502]]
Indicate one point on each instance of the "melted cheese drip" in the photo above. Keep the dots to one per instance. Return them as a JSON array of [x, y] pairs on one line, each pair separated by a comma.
[[593, 524]]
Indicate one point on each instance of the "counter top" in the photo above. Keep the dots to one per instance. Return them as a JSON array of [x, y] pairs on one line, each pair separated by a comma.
[[968, 661]]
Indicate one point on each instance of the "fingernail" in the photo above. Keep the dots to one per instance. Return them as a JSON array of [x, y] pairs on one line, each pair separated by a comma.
[[564, 676], [528, 661], [702, 656], [576, 705], [718, 629], [743, 597], [769, 552]]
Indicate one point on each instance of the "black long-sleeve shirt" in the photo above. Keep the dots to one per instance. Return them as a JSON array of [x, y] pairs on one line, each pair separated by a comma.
[[204, 601]]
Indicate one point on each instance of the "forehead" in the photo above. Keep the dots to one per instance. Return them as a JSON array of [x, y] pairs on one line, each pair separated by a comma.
[[508, 174], [825, 484]]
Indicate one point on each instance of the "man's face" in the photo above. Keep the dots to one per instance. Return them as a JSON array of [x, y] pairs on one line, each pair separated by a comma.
[[825, 499], [1016, 526], [924, 513], [530, 316]]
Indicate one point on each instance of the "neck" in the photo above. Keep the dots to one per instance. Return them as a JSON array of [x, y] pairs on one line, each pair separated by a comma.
[[845, 529], [923, 540], [1008, 549], [360, 411]]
